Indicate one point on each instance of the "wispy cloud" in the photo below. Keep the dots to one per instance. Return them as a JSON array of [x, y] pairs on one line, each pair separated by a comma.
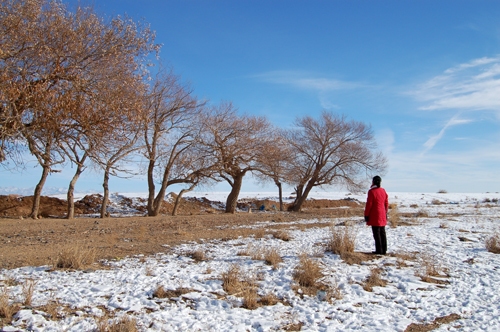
[[301, 80], [470, 86], [305, 81], [433, 140]]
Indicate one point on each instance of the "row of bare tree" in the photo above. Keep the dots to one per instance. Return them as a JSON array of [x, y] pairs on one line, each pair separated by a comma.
[[75, 88]]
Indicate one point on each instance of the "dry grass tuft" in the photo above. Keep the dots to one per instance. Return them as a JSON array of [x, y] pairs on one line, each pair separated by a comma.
[[198, 256], [403, 257], [124, 324], [394, 216], [430, 267], [7, 311], [308, 273], [273, 257], [76, 257], [27, 291], [162, 293], [282, 235], [374, 280], [237, 284], [492, 243], [269, 299], [342, 239]]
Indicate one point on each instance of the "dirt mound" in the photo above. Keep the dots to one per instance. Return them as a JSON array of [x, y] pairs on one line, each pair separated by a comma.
[[13, 206]]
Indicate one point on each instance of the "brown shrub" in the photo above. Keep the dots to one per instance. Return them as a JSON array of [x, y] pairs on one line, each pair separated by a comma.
[[269, 299], [76, 257], [198, 255], [282, 235], [27, 291], [272, 257], [374, 280], [7, 311], [342, 239], [492, 243], [124, 324], [308, 272], [394, 216]]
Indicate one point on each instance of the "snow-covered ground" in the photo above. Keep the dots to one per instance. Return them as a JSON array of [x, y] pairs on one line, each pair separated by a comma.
[[449, 229]]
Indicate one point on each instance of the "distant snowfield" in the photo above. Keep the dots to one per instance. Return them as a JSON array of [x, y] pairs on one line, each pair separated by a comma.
[[451, 233]]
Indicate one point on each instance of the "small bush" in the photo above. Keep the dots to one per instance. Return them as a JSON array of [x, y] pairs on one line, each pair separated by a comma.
[[342, 239], [7, 311], [374, 280], [272, 257], [269, 299], [27, 290], [442, 191], [394, 216], [493, 243], [282, 235], [429, 267], [308, 272], [198, 255], [76, 257], [124, 324]]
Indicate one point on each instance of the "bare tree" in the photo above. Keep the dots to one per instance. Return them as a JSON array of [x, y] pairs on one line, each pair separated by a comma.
[[59, 66], [273, 161], [169, 133], [331, 151], [234, 142]]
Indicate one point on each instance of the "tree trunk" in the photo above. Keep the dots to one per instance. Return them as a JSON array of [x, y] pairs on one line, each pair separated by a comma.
[[105, 198], [178, 199], [151, 189], [38, 192], [280, 194], [232, 199], [71, 192], [297, 206]]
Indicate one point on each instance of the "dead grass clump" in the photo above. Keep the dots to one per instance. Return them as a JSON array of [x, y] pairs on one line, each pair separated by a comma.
[[269, 299], [76, 257], [198, 256], [27, 291], [259, 233], [425, 327], [282, 235], [308, 273], [422, 213], [437, 202], [430, 267], [342, 239], [273, 257], [237, 284], [394, 216], [162, 293], [374, 280], [7, 311], [403, 257], [124, 324], [493, 243], [443, 225], [442, 191]]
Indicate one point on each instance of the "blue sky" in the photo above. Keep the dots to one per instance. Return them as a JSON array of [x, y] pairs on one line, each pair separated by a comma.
[[424, 74]]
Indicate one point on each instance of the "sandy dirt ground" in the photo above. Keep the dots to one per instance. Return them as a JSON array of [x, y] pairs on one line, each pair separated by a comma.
[[25, 241]]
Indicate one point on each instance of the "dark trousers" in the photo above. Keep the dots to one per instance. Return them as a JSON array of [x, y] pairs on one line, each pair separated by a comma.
[[380, 239]]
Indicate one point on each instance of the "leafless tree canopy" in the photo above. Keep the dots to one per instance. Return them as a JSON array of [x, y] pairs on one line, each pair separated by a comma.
[[74, 88], [234, 143], [331, 151], [65, 74]]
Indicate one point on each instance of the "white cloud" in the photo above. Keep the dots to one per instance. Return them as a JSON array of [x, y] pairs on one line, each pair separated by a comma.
[[432, 141], [470, 86], [305, 81]]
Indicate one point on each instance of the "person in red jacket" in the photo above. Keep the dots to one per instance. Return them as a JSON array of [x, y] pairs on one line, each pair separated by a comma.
[[377, 205]]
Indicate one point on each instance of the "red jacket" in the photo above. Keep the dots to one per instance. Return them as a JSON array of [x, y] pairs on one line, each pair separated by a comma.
[[377, 205]]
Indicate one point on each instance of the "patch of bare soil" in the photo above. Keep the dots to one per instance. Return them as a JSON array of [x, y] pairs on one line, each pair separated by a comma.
[[38, 242]]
